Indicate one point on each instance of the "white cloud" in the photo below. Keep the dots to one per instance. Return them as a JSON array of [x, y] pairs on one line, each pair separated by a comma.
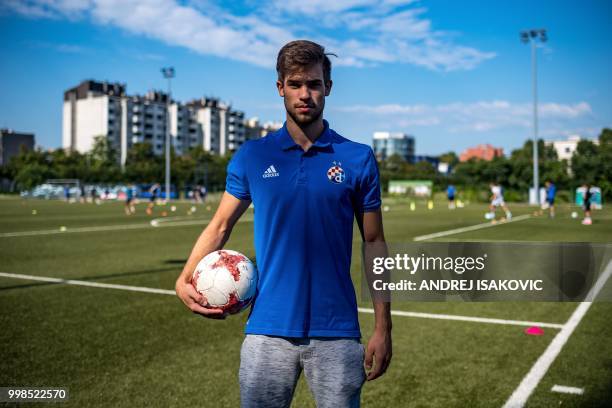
[[366, 32], [482, 116], [317, 7], [71, 9]]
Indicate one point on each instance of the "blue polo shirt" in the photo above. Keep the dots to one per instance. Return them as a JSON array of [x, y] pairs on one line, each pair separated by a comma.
[[305, 204], [551, 191]]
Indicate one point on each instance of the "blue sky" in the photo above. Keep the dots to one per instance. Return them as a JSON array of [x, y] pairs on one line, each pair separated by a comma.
[[451, 73]]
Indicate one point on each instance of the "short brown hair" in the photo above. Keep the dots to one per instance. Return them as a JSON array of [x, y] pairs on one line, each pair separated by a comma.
[[300, 54]]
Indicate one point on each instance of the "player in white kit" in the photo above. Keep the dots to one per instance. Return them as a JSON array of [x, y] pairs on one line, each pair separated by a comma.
[[497, 200]]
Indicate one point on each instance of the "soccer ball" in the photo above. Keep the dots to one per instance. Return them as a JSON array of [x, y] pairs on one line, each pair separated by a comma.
[[489, 216], [227, 279]]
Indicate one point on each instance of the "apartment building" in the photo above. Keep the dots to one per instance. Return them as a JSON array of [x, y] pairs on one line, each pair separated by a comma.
[[94, 109]]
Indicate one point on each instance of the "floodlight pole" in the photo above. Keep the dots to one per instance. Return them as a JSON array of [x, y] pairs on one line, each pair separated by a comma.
[[531, 36], [168, 73]]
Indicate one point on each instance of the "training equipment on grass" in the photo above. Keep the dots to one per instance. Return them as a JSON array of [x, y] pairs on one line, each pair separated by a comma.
[[574, 214], [534, 331], [227, 279]]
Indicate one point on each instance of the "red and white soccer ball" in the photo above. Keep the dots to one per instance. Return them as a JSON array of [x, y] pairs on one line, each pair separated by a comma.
[[227, 279]]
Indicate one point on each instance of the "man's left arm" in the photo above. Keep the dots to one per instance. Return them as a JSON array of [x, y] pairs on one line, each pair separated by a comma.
[[379, 349]]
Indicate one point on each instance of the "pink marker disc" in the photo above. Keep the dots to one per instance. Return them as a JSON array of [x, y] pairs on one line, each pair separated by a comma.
[[534, 331]]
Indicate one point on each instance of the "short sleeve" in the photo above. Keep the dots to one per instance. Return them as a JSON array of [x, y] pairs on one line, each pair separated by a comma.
[[237, 182], [368, 194]]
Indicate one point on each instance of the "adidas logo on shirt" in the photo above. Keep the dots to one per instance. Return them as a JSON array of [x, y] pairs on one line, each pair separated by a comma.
[[270, 172]]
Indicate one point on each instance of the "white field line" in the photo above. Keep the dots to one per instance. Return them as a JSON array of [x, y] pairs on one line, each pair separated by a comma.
[[470, 228], [468, 318], [529, 383], [174, 221], [567, 390], [72, 230], [361, 309], [120, 227], [86, 283]]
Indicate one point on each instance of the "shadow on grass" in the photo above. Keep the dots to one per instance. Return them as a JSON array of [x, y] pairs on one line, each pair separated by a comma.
[[175, 261], [98, 277]]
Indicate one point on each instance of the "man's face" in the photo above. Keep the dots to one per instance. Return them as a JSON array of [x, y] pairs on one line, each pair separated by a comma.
[[304, 93]]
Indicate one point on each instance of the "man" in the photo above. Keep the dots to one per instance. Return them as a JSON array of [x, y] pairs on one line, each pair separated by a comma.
[[307, 183], [129, 200], [586, 204], [153, 191], [497, 200], [551, 192], [450, 193]]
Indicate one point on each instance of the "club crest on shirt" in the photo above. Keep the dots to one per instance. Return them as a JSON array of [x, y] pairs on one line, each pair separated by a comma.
[[336, 174]]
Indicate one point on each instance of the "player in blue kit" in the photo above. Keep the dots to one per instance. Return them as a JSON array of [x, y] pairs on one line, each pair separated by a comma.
[[450, 194], [551, 192], [307, 184]]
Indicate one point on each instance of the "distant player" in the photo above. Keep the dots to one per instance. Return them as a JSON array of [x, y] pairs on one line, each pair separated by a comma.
[[497, 200], [551, 192], [154, 191], [450, 193], [129, 200], [82, 195], [94, 195], [196, 194], [586, 204]]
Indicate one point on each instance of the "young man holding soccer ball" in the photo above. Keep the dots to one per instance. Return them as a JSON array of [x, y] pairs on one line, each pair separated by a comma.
[[307, 184]]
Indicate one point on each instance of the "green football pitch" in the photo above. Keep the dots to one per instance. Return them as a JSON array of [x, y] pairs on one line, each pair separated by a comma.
[[87, 328]]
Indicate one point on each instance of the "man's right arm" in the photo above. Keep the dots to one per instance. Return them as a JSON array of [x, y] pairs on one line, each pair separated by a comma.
[[214, 236]]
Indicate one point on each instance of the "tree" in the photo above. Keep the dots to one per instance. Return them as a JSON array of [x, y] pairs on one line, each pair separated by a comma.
[[30, 168], [605, 162], [450, 158], [586, 163], [103, 162], [142, 165]]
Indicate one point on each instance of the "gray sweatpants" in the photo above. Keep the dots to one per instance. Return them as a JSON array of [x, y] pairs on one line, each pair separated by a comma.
[[270, 367]]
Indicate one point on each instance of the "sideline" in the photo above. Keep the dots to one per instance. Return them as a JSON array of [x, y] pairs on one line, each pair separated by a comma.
[[120, 227], [470, 228], [361, 309], [468, 319], [529, 383]]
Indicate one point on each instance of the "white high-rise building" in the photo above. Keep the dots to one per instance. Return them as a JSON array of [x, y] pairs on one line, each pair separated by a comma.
[[254, 129], [92, 109], [387, 144], [102, 109], [565, 148]]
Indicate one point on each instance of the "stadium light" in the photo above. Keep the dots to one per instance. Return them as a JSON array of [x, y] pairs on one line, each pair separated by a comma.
[[168, 73], [532, 36]]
